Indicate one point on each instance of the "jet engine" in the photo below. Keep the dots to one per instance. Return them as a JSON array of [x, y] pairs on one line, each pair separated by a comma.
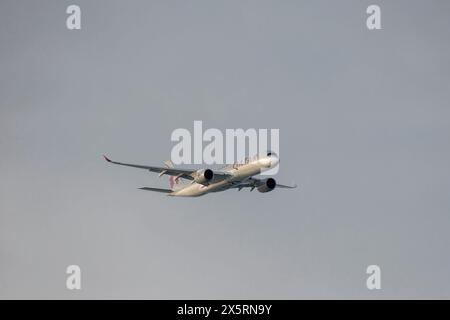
[[204, 176], [269, 185]]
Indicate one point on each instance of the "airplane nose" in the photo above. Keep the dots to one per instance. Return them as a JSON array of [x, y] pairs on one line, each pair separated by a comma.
[[274, 160]]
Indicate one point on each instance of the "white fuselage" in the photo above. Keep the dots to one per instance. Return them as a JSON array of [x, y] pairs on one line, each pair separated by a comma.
[[237, 174]]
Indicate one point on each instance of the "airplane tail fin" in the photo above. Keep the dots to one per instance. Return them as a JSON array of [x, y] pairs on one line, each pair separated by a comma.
[[172, 180]]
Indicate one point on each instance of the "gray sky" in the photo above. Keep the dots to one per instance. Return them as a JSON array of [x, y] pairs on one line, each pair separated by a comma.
[[364, 125]]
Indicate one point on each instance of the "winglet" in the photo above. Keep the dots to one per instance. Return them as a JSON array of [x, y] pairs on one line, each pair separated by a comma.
[[106, 158]]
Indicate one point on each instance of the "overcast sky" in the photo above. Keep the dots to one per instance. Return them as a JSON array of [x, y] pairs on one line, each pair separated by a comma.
[[364, 121]]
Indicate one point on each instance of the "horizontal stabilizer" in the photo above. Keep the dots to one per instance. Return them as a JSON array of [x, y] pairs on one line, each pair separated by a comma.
[[156, 189]]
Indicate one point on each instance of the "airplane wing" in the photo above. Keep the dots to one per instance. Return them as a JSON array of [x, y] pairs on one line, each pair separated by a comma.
[[182, 173], [179, 173], [282, 186], [255, 183]]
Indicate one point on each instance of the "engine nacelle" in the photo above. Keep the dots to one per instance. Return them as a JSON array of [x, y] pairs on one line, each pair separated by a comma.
[[269, 185], [204, 176]]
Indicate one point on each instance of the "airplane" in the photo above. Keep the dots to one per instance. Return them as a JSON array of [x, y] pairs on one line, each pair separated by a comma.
[[204, 181]]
